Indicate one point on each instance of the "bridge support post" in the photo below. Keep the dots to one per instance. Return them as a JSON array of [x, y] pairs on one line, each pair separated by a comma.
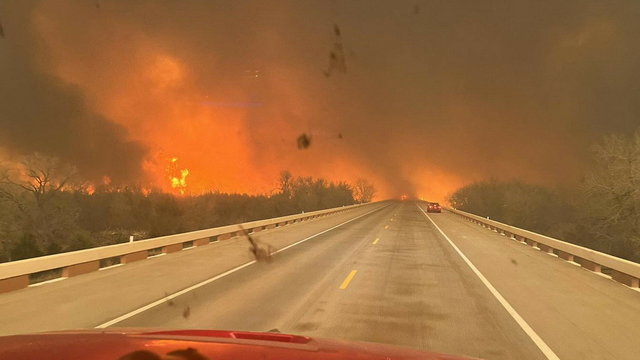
[[591, 265], [136, 256], [547, 249], [625, 279], [172, 248], [566, 256], [201, 242], [79, 269], [14, 283]]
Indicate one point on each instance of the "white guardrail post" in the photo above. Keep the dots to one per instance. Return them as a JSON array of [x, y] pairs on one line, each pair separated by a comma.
[[621, 270], [20, 274]]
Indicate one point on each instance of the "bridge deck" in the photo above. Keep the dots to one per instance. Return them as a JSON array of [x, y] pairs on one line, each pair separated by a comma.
[[386, 276]]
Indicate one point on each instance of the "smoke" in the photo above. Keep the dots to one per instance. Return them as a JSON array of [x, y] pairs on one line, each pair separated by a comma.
[[428, 100], [41, 112]]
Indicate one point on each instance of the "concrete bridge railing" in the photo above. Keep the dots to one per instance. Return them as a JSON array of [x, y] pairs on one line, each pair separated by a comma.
[[621, 270], [23, 273]]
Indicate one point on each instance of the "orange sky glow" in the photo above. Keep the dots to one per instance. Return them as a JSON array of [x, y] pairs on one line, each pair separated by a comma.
[[199, 137], [418, 109]]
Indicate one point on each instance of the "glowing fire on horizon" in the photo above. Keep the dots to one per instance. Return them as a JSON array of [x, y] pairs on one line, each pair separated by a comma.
[[177, 177]]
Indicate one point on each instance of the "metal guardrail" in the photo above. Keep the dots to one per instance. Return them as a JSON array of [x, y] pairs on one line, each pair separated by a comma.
[[22, 273], [621, 270]]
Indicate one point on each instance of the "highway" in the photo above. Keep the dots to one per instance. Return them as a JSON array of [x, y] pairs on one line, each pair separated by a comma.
[[386, 273]]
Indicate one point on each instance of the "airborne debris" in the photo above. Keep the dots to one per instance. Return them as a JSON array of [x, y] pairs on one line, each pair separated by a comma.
[[1, 30], [262, 253], [304, 141], [336, 56], [187, 312], [514, 262], [339, 135], [170, 301], [416, 9]]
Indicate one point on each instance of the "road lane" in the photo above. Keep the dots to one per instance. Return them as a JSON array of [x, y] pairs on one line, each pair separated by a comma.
[[544, 348], [580, 315], [409, 289], [407, 286], [261, 297], [88, 300]]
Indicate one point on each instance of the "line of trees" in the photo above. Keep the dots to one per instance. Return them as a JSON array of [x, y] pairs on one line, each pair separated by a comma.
[[602, 212], [45, 209]]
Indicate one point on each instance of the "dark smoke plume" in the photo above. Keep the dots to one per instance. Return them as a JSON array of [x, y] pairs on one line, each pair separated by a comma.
[[41, 113], [436, 93]]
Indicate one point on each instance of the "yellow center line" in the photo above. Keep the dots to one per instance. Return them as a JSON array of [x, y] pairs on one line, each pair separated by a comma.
[[376, 241], [348, 279]]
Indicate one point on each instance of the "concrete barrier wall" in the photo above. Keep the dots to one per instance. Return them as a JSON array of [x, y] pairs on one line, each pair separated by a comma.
[[19, 274], [621, 270]]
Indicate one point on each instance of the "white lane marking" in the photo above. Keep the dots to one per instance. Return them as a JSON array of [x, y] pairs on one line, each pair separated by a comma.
[[325, 231], [546, 350], [210, 280], [172, 296]]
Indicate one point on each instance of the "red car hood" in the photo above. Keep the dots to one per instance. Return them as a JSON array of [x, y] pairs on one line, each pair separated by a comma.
[[212, 344]]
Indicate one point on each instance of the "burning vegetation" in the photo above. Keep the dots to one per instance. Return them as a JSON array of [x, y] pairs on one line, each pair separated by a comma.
[[177, 177], [47, 208]]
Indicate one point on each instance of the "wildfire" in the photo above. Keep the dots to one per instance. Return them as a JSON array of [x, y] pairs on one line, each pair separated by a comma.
[[178, 181]]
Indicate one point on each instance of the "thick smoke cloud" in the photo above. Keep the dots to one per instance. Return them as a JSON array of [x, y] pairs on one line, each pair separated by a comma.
[[40, 112], [431, 99]]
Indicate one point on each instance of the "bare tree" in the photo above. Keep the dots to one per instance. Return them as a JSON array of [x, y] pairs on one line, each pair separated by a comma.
[[612, 191], [363, 191], [285, 184], [40, 175], [31, 191]]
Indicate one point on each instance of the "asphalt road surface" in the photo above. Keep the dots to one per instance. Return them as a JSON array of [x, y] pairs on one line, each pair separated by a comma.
[[385, 273]]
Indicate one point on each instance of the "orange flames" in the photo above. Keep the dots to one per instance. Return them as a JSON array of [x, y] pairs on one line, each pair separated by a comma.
[[226, 140], [178, 182]]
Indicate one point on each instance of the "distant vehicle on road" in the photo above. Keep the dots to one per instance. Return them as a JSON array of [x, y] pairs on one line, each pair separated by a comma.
[[434, 207], [195, 344]]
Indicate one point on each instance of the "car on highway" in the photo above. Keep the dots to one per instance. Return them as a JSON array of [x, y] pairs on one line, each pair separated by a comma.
[[434, 207], [195, 345]]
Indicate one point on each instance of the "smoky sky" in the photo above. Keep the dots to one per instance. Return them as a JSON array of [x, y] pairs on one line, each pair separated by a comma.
[[454, 92], [42, 113]]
